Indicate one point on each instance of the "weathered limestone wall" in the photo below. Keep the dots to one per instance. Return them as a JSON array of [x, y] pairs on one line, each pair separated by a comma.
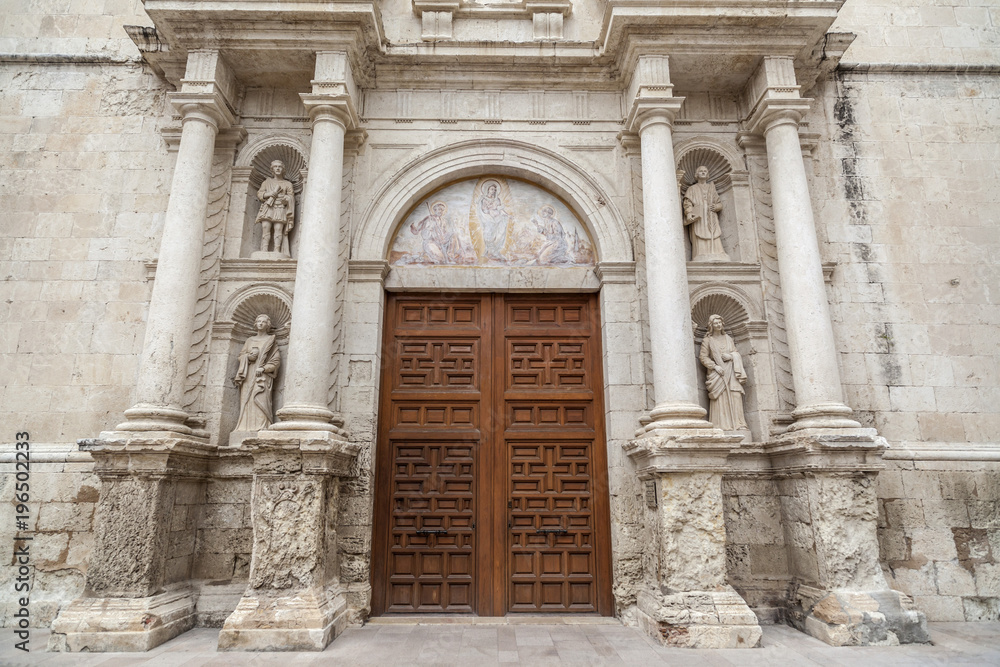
[[84, 184], [930, 31], [908, 194], [905, 189], [84, 191], [908, 203], [939, 536], [63, 497], [756, 550]]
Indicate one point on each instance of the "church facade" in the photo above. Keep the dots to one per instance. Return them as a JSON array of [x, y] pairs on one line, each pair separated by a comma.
[[681, 313]]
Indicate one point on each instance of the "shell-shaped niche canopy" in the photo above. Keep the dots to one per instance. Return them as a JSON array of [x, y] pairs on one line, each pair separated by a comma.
[[718, 168], [263, 303], [732, 312], [261, 164], [492, 221]]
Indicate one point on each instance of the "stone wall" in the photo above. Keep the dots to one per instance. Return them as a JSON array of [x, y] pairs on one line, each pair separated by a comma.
[[908, 195], [85, 186], [63, 497], [939, 536]]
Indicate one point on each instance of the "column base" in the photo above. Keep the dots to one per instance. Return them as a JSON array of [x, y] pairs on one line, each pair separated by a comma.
[[156, 418], [824, 416], [699, 619], [307, 418], [851, 618], [122, 624], [289, 621], [675, 416]]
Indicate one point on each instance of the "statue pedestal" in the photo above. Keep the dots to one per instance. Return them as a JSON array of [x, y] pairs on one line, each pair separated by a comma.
[[826, 484], [130, 602], [687, 601], [268, 255], [294, 600]]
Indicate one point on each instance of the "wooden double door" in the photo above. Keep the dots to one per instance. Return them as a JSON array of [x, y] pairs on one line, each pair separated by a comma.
[[491, 491]]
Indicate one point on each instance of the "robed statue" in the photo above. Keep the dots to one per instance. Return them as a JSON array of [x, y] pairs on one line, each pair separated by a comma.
[[726, 377], [701, 216], [258, 364]]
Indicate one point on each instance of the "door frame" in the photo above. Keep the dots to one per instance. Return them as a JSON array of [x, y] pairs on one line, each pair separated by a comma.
[[491, 512]]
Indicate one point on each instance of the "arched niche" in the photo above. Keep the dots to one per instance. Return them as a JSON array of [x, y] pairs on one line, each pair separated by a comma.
[[254, 165], [571, 183], [235, 325], [727, 170], [742, 323]]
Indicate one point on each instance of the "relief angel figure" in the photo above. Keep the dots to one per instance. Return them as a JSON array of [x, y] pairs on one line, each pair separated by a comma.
[[726, 377], [701, 215], [277, 210], [259, 361]]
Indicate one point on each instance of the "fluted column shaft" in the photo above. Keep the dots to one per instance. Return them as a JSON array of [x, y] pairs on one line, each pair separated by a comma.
[[167, 344], [812, 349], [675, 378], [311, 340]]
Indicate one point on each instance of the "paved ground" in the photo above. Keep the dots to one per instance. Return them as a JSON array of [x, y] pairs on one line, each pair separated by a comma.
[[483, 644]]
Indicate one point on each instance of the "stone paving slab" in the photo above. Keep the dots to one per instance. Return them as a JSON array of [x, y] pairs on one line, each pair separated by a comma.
[[447, 644]]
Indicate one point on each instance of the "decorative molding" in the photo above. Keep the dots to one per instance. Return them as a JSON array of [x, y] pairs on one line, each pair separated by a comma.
[[367, 271], [941, 451], [615, 272]]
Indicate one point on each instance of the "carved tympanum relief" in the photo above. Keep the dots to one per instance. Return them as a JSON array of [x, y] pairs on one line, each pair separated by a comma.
[[726, 377], [258, 364], [492, 221], [702, 206], [276, 215]]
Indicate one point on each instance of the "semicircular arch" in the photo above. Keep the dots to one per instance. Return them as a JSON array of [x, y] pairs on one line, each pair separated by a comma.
[[467, 159]]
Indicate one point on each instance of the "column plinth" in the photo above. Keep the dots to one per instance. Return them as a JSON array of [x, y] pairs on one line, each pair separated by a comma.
[[294, 600]]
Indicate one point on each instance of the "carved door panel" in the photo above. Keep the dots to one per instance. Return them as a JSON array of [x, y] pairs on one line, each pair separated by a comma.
[[430, 457], [491, 480], [554, 455]]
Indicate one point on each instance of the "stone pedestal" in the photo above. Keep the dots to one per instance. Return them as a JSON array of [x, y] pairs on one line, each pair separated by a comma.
[[826, 478], [687, 601], [129, 603], [293, 601]]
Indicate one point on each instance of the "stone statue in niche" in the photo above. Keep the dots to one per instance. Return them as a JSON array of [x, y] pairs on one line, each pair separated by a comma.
[[259, 361], [701, 215], [277, 211], [726, 377]]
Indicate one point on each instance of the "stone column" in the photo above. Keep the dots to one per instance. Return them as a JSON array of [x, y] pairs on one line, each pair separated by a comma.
[[166, 348], [811, 345], [294, 600], [826, 464], [311, 339], [675, 377], [686, 600], [137, 591]]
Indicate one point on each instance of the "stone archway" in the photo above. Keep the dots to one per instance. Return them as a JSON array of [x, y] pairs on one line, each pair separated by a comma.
[[571, 182]]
